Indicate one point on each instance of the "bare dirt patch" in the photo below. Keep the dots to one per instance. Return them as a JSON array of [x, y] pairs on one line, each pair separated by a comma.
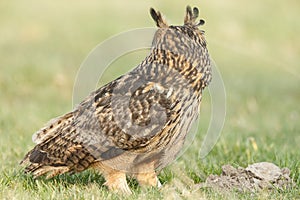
[[258, 176]]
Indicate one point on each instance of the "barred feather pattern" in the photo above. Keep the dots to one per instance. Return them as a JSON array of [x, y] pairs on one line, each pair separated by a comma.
[[136, 124]]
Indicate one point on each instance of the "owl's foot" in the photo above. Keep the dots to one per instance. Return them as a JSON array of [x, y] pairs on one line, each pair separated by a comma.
[[117, 182], [148, 179], [115, 179]]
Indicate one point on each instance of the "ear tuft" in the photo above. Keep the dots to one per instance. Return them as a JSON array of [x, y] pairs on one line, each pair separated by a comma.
[[188, 15], [195, 12], [201, 22], [157, 17], [191, 17]]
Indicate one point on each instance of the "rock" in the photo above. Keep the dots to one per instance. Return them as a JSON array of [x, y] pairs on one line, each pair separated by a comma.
[[265, 171], [255, 177]]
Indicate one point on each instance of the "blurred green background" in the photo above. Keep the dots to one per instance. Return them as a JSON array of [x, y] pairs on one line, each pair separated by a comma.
[[255, 45]]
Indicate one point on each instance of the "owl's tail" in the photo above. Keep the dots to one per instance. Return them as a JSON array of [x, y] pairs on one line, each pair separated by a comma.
[[56, 151]]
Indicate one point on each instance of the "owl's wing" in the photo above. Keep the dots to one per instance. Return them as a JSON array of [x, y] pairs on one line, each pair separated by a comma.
[[130, 112], [52, 128], [124, 115]]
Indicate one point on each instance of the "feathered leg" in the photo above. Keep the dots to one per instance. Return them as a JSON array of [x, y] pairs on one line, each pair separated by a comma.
[[148, 179], [115, 179]]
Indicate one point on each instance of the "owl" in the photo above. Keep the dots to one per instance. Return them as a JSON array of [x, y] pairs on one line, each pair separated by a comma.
[[136, 124]]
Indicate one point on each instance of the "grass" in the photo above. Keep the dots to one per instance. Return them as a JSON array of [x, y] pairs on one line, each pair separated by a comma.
[[42, 45]]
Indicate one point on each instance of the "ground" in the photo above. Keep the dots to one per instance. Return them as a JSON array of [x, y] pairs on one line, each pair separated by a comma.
[[254, 45]]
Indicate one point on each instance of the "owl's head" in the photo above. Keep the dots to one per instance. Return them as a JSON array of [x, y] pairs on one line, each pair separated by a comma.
[[185, 39]]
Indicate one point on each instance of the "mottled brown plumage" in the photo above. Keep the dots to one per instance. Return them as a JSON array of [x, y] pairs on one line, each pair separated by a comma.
[[136, 124]]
